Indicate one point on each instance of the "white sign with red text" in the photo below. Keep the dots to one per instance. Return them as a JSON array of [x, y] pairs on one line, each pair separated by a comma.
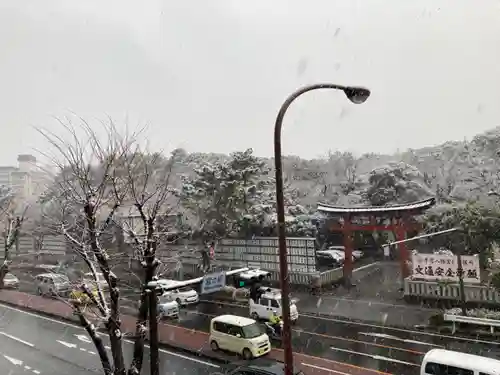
[[444, 267]]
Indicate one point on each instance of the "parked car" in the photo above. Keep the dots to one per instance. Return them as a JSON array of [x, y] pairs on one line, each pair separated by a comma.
[[356, 254], [53, 284], [183, 295], [329, 258], [167, 307], [10, 281]]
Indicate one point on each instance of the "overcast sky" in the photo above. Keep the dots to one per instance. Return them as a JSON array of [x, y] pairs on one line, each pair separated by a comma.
[[211, 75]]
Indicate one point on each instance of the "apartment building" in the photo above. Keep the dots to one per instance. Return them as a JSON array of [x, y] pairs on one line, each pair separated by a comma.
[[26, 180]]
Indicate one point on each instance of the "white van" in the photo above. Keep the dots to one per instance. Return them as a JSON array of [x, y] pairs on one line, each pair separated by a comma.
[[267, 303], [448, 362], [52, 284], [238, 335]]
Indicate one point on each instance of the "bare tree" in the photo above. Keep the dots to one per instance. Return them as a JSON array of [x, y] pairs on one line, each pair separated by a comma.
[[13, 222], [89, 187], [151, 198]]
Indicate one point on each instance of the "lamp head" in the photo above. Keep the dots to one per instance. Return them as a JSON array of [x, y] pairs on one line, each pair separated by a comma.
[[357, 95]]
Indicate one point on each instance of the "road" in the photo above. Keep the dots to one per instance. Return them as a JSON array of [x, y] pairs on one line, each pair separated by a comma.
[[31, 344], [392, 350]]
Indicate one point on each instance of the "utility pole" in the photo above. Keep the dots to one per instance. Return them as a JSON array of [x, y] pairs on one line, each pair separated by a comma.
[[153, 333]]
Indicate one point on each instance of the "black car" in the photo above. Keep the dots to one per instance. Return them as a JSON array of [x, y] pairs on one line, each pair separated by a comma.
[[257, 367]]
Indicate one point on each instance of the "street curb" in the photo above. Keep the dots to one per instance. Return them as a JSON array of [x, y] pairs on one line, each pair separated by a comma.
[[213, 357]]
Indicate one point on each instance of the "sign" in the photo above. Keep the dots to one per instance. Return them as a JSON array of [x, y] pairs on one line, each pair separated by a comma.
[[213, 282], [444, 267], [262, 252]]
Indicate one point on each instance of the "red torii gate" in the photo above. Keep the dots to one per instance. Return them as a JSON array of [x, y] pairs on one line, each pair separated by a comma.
[[399, 223]]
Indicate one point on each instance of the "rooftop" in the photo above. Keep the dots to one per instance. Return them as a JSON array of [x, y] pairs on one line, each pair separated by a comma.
[[415, 206]]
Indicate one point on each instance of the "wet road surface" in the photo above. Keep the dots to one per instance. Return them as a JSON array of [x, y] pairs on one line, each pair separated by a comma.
[[392, 350]]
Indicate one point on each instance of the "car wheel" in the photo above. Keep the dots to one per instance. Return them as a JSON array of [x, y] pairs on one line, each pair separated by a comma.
[[214, 346], [247, 354], [39, 291], [254, 316]]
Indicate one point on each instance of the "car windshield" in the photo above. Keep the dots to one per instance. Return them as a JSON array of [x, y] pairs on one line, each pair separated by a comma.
[[9, 276], [185, 289], [60, 279], [251, 331]]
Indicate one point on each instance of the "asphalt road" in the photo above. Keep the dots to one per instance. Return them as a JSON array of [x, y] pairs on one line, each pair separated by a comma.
[[393, 350], [33, 344]]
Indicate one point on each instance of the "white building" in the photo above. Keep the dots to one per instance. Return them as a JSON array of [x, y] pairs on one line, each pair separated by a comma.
[[27, 180]]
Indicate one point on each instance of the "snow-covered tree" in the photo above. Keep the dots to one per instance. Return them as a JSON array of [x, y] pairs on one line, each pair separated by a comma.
[[396, 183], [479, 228], [92, 183], [12, 221], [221, 193]]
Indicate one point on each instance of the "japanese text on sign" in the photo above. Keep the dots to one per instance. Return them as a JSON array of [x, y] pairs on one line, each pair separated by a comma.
[[213, 282], [445, 267]]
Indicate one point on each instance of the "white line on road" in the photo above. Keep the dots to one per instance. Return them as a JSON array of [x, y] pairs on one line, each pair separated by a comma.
[[421, 333], [376, 357], [324, 369], [67, 344], [104, 335], [390, 337], [17, 339]]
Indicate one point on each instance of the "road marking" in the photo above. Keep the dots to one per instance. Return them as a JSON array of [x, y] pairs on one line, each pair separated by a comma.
[[67, 344], [83, 349], [376, 357], [67, 324], [361, 324], [14, 361], [17, 339], [83, 338], [390, 337], [91, 352], [324, 369]]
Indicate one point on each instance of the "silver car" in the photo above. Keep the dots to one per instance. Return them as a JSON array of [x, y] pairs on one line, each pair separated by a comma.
[[53, 284], [10, 281]]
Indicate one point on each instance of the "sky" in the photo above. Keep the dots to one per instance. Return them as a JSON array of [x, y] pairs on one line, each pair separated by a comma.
[[210, 76]]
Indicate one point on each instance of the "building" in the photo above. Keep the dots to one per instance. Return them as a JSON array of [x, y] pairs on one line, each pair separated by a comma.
[[27, 180]]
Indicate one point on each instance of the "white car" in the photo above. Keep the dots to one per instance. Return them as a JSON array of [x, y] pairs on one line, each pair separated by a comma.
[[356, 254], [183, 295], [167, 307], [10, 281], [267, 303]]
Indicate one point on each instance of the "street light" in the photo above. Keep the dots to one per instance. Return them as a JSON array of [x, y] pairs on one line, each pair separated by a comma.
[[357, 95]]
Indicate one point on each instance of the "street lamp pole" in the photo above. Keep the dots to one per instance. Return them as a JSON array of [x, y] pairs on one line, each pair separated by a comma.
[[356, 95]]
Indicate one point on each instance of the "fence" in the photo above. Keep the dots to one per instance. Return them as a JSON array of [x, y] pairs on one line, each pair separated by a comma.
[[478, 294], [27, 245]]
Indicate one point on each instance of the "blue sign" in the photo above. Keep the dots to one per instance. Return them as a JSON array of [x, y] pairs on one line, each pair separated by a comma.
[[213, 282]]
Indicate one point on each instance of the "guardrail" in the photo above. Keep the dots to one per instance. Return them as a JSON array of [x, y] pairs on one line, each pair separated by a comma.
[[331, 276], [477, 294], [492, 323]]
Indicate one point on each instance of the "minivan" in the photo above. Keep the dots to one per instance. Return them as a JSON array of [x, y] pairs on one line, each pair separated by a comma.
[[52, 284], [239, 335], [449, 362]]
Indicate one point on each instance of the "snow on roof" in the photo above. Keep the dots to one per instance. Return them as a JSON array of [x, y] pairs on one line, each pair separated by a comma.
[[420, 205]]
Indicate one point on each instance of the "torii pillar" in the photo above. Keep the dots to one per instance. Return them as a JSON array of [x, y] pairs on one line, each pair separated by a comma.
[[400, 231], [348, 247]]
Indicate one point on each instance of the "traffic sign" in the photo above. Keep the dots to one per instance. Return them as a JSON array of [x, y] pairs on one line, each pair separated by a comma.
[[213, 282]]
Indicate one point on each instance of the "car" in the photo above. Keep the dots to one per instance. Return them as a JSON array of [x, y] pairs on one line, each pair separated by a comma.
[[167, 307], [238, 335], [262, 367], [356, 254], [271, 301], [183, 295], [329, 258], [10, 281], [53, 284]]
